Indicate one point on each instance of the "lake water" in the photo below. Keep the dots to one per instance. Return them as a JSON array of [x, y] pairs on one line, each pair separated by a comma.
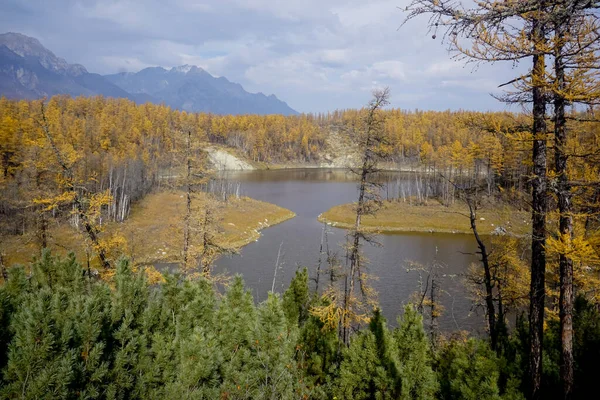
[[310, 192]]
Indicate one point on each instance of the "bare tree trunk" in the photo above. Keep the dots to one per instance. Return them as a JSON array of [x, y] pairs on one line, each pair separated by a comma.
[[355, 239], [539, 205], [320, 258], [188, 194], [43, 230], [489, 285], [433, 327], [331, 262], [121, 217], [206, 259], [343, 328], [112, 204], [276, 267], [368, 167], [565, 223], [3, 268]]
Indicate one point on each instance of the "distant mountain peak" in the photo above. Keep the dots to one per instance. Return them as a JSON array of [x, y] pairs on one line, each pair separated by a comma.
[[29, 70], [182, 69], [149, 70], [22, 44], [77, 69], [27, 46], [191, 88], [188, 69]]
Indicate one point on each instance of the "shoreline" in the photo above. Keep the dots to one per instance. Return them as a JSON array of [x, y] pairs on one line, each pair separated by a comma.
[[393, 230], [383, 168], [225, 159], [152, 234], [401, 217], [239, 244]]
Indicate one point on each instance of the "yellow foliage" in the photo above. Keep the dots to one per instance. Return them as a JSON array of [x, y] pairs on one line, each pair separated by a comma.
[[51, 203], [154, 276]]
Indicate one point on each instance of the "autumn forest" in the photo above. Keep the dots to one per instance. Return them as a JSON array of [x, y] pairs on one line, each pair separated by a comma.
[[114, 213]]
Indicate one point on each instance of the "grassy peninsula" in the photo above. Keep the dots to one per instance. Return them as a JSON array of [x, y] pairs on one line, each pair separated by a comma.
[[153, 232], [399, 216]]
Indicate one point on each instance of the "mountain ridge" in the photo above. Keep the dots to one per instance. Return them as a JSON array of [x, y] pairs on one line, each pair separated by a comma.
[[191, 88], [28, 70]]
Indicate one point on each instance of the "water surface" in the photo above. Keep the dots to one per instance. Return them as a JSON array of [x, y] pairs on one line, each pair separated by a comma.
[[308, 193]]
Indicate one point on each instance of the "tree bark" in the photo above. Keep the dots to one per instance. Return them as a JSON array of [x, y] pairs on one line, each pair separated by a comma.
[[43, 230], [566, 298], [208, 245], [3, 271], [539, 205]]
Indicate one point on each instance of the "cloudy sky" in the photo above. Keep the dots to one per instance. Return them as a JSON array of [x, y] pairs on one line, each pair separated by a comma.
[[317, 55]]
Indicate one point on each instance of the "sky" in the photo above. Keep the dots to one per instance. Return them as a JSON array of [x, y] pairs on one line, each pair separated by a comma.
[[317, 55]]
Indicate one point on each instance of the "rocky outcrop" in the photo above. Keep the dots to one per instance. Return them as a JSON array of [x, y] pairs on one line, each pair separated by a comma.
[[341, 152], [224, 161]]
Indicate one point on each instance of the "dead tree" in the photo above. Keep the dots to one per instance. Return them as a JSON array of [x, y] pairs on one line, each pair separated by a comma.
[[368, 199], [211, 249], [471, 200]]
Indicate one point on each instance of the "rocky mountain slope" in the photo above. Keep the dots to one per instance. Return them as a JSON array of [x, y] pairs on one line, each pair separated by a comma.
[[190, 88], [29, 70]]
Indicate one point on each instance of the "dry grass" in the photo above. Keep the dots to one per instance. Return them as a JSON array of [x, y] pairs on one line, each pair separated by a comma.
[[154, 231], [404, 217]]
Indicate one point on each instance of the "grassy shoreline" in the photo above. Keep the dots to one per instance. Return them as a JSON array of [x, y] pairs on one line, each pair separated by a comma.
[[153, 233], [398, 217]]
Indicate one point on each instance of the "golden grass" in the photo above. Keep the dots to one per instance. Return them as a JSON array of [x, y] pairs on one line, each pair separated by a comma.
[[433, 217], [154, 231]]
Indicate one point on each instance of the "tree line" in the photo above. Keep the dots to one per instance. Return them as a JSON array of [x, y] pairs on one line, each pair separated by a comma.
[[125, 150], [85, 161]]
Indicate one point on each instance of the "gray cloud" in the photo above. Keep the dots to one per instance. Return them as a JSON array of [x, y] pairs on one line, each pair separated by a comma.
[[317, 55]]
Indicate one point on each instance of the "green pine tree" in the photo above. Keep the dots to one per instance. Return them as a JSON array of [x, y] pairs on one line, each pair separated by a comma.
[[129, 341], [369, 369], [235, 322], [296, 299], [468, 370], [318, 354], [273, 365], [43, 357], [414, 355]]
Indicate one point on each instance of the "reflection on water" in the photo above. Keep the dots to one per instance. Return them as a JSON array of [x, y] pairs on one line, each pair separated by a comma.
[[309, 192]]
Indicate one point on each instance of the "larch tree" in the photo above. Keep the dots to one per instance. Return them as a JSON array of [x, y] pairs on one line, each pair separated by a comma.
[[491, 39], [371, 141], [71, 193], [189, 155], [575, 49], [493, 35]]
